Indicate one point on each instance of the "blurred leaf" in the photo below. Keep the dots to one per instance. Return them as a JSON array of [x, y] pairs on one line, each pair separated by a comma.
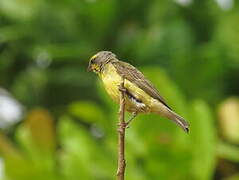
[[81, 155], [226, 33], [233, 177], [7, 149], [203, 142], [228, 113], [19, 9], [227, 151], [38, 121], [36, 138], [87, 111], [30, 83], [59, 52]]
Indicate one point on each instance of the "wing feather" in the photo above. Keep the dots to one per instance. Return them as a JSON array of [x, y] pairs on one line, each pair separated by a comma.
[[130, 73]]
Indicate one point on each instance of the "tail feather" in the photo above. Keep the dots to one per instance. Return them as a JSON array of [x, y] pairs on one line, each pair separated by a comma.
[[179, 121], [168, 113]]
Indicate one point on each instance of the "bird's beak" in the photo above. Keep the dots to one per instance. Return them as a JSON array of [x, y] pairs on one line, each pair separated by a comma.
[[89, 68]]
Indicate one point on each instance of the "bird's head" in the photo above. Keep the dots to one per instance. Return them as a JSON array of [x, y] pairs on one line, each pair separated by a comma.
[[98, 61]]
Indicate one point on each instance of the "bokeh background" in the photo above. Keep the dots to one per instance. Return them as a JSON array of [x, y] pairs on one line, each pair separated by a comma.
[[56, 121]]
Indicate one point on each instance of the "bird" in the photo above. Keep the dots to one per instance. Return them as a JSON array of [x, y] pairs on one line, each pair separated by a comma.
[[140, 94]]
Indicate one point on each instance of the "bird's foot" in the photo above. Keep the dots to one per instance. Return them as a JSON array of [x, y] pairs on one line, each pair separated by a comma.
[[123, 125], [126, 125], [122, 89]]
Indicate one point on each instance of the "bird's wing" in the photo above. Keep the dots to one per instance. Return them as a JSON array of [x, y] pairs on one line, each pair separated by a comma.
[[130, 73]]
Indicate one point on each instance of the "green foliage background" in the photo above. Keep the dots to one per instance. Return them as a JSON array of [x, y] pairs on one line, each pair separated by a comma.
[[69, 130]]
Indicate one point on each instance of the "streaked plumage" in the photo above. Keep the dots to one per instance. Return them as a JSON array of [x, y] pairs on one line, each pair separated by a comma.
[[141, 95]]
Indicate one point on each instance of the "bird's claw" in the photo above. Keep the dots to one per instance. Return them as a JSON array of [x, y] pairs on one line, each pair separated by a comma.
[[122, 89], [124, 125]]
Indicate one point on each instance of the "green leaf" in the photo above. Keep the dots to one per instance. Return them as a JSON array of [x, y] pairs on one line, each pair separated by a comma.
[[227, 151], [87, 111], [203, 141], [81, 156]]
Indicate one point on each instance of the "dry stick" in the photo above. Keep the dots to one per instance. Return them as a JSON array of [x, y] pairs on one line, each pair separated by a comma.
[[121, 136]]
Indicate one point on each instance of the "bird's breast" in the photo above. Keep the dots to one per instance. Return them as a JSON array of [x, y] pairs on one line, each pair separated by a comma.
[[111, 80], [136, 99]]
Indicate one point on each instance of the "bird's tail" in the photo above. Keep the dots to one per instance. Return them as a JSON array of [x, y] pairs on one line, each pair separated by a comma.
[[177, 119]]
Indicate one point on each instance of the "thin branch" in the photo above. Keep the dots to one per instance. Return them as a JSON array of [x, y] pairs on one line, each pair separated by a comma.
[[121, 135]]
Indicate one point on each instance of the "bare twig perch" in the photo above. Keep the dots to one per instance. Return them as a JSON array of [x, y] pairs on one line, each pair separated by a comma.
[[121, 138]]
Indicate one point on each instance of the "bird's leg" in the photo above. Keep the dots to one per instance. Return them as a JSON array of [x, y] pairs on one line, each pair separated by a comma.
[[122, 89], [134, 114]]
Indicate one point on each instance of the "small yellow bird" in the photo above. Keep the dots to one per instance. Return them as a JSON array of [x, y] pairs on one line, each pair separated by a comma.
[[141, 95]]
